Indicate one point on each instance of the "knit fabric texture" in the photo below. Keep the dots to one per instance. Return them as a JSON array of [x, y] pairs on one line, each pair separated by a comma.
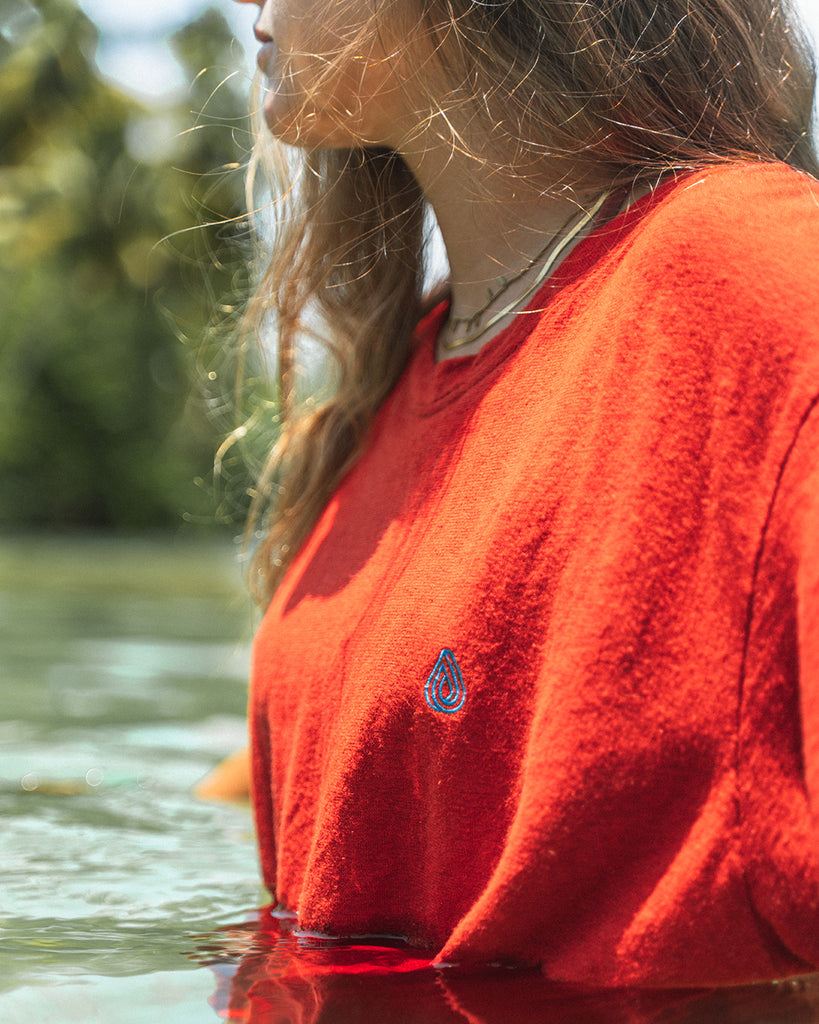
[[542, 687]]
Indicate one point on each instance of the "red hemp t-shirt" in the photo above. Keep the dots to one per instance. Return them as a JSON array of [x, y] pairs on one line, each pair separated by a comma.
[[543, 684]]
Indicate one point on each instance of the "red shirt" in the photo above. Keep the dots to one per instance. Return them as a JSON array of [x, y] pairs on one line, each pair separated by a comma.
[[543, 684]]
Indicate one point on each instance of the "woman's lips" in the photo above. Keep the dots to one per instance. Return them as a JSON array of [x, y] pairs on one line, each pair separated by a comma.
[[265, 59]]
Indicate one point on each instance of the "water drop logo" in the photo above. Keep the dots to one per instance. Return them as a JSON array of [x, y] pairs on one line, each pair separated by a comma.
[[445, 688]]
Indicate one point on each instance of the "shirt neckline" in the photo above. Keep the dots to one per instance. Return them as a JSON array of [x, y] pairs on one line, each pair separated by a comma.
[[435, 385]]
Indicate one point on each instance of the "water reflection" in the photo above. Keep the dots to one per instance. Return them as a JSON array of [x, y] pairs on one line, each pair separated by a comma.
[[267, 974]]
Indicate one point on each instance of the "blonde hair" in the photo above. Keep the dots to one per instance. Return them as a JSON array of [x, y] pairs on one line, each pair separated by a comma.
[[611, 92]]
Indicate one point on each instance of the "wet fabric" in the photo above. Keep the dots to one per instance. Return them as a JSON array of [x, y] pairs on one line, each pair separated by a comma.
[[283, 977], [543, 685]]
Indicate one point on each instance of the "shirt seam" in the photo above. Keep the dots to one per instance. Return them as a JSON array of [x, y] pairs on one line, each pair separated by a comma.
[[811, 408]]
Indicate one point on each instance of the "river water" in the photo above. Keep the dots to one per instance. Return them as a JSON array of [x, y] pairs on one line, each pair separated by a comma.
[[124, 899], [123, 667]]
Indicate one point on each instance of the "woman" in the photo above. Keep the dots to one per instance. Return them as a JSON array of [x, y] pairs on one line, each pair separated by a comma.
[[538, 679]]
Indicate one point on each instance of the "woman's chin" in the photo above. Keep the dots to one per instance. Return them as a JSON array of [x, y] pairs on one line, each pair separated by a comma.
[[306, 131], [276, 115]]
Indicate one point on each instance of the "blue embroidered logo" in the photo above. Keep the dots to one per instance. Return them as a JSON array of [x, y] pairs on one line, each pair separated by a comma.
[[445, 688]]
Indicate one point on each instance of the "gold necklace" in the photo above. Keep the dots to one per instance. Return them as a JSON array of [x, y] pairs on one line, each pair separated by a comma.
[[557, 248]]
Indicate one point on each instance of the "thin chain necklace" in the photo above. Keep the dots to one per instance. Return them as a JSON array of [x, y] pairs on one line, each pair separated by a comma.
[[550, 254]]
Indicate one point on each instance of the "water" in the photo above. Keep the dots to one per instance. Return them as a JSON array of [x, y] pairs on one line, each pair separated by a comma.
[[123, 671], [124, 899]]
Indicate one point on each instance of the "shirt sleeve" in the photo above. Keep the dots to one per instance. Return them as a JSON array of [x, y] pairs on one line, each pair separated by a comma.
[[781, 684], [778, 760], [799, 515]]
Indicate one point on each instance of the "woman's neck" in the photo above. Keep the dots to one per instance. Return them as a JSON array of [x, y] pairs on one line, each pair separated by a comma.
[[492, 225]]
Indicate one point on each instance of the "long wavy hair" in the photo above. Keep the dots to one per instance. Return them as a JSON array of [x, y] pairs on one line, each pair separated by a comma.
[[610, 92]]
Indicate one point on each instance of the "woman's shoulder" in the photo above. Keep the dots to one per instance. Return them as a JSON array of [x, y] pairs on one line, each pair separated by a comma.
[[717, 275], [745, 234], [734, 181], [749, 207]]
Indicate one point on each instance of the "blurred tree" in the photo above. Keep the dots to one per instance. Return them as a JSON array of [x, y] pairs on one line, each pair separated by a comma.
[[98, 426]]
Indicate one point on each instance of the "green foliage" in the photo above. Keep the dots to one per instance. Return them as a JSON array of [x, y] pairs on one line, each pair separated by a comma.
[[105, 270]]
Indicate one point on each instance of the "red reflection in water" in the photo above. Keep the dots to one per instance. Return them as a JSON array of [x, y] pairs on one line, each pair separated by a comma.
[[270, 974]]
